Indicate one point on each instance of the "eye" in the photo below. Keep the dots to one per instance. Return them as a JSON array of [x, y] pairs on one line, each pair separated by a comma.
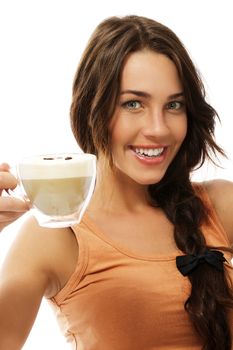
[[132, 105], [175, 105]]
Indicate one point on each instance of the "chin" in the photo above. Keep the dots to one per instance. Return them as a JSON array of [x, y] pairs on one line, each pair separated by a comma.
[[143, 178], [151, 180], [147, 182]]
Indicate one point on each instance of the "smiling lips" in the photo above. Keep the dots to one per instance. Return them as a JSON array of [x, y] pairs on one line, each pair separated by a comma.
[[149, 154], [148, 151]]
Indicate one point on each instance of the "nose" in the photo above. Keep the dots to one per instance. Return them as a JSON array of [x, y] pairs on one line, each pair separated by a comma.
[[155, 125]]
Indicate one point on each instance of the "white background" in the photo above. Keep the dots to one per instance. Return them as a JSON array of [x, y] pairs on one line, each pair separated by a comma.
[[41, 43]]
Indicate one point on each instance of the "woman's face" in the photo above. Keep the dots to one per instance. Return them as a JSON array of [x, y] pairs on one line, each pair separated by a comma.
[[149, 123]]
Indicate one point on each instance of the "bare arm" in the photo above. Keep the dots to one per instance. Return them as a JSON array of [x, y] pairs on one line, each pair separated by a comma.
[[39, 264]]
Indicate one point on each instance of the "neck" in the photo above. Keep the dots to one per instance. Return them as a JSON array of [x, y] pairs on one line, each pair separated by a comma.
[[116, 192]]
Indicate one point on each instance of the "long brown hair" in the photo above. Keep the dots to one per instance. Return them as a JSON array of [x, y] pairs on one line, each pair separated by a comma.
[[95, 94]]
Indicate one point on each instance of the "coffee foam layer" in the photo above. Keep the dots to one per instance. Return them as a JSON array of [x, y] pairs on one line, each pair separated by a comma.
[[57, 166]]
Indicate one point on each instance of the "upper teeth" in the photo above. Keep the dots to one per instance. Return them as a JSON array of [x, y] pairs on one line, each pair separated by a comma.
[[149, 151]]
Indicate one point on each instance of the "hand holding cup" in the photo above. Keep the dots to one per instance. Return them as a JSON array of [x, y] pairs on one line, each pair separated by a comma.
[[11, 208]]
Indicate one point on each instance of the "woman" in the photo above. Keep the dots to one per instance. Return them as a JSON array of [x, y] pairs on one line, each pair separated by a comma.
[[149, 266]]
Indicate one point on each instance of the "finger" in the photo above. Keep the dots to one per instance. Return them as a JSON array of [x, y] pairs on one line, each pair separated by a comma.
[[4, 167], [9, 216], [7, 221], [12, 204], [7, 180]]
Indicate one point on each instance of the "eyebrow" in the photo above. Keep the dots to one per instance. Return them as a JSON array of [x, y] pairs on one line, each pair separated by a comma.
[[145, 94]]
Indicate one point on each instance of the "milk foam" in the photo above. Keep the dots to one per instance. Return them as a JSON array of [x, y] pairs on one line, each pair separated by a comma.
[[51, 166]]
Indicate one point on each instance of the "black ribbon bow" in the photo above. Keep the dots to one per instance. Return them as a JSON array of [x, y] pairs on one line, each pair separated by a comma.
[[187, 263]]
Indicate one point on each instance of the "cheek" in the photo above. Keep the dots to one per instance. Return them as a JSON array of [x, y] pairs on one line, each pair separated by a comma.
[[120, 132], [181, 129], [115, 138]]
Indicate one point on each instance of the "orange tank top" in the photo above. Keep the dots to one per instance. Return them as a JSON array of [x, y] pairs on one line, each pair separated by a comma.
[[117, 300]]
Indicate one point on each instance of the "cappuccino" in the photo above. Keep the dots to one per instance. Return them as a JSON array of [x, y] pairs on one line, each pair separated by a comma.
[[58, 186], [57, 196]]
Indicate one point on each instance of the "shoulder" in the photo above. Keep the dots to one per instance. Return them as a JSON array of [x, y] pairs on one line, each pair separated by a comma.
[[221, 195], [49, 254]]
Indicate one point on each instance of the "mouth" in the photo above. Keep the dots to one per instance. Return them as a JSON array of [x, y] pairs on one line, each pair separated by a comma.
[[149, 152]]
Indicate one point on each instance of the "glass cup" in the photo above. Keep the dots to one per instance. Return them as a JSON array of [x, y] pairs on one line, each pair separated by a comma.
[[58, 186]]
